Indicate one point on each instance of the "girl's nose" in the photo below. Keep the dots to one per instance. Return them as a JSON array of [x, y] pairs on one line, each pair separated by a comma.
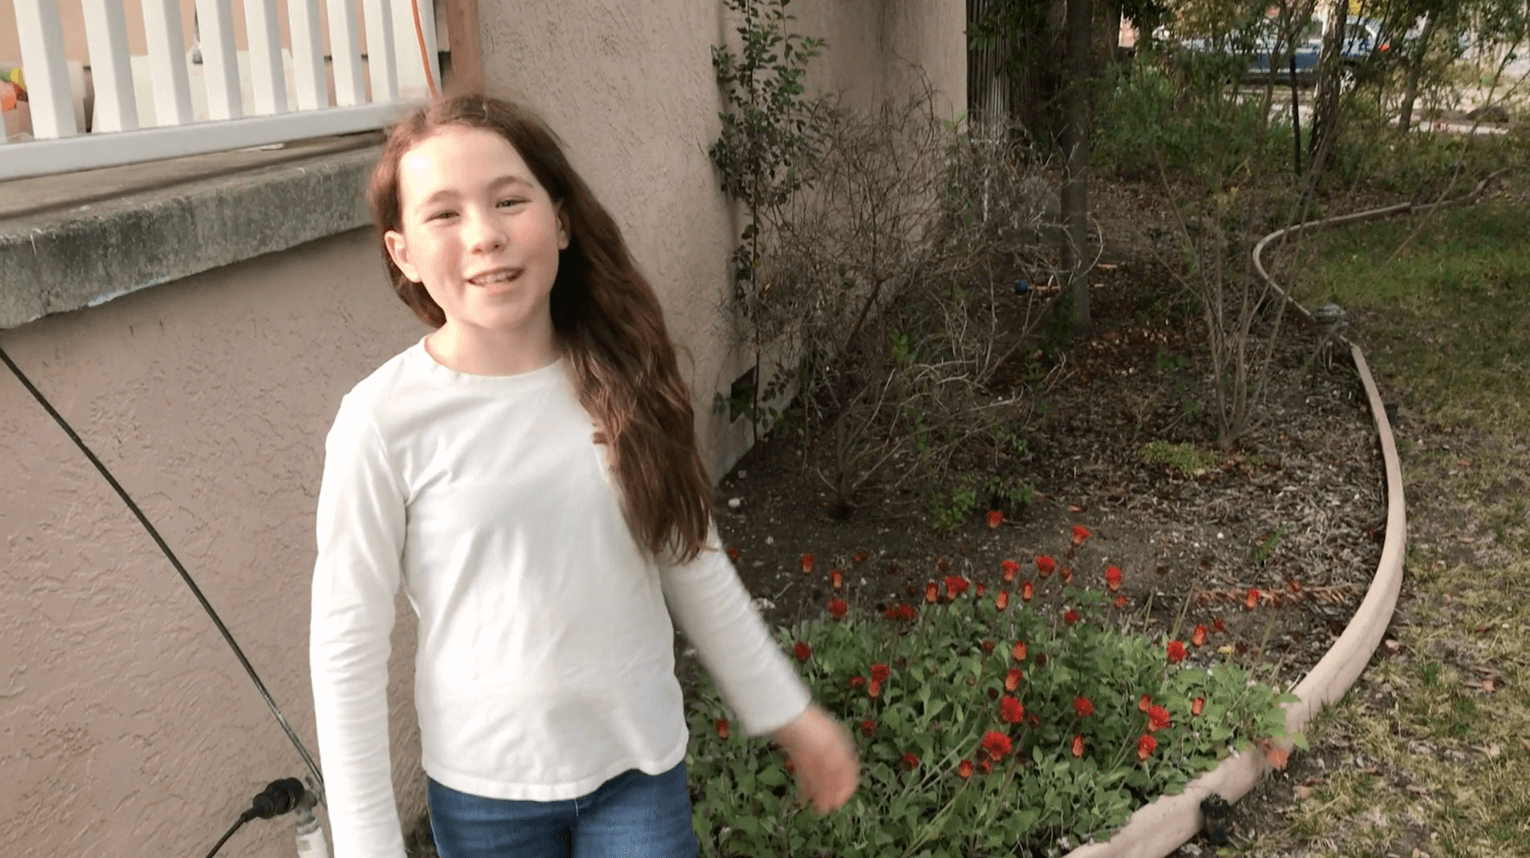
[[485, 232]]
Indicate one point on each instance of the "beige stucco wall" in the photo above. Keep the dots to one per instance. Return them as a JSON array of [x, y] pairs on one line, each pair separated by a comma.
[[630, 89], [126, 727]]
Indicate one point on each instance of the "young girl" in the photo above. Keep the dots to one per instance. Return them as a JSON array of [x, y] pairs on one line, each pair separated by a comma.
[[528, 474]]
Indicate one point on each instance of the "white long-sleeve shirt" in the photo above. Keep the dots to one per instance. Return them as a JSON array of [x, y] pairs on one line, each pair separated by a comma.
[[545, 661]]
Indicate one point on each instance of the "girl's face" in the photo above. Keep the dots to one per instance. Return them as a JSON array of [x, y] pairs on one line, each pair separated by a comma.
[[479, 232]]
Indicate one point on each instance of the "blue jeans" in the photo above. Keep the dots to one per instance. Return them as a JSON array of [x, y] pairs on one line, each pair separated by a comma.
[[633, 815]]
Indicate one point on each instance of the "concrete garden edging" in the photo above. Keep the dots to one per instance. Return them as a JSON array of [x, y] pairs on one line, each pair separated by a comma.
[[1163, 825]]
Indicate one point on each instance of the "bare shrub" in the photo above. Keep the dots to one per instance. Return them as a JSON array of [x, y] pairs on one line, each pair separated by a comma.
[[881, 285]]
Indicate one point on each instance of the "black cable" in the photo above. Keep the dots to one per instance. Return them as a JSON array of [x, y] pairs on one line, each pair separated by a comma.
[[243, 818], [185, 576]]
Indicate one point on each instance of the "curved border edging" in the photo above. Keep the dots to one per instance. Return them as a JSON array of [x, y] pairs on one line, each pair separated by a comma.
[[1168, 822], [1165, 824]]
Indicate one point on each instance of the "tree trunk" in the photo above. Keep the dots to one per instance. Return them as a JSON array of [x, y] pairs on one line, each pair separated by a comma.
[[1415, 71], [1325, 107], [1075, 191]]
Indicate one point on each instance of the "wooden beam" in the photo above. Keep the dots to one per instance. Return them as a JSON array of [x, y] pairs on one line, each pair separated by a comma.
[[466, 50]]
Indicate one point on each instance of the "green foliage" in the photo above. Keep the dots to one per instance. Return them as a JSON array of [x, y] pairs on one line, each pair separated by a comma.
[[1190, 119], [766, 131], [948, 672], [951, 512], [1184, 458]]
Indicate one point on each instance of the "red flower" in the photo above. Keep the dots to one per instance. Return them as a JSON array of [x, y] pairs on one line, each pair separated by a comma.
[[1067, 575], [837, 608], [1113, 578], [857, 681], [1001, 601], [1199, 637], [931, 592], [1218, 625], [1012, 678], [1197, 705], [1041, 659], [1080, 533], [807, 564], [791, 766], [1070, 616], [910, 762], [722, 727], [1018, 651], [1078, 745], [1120, 601], [979, 591], [996, 744], [874, 689], [1252, 599], [1146, 745], [995, 518], [907, 612], [1144, 703], [985, 767], [836, 579], [1082, 707], [1045, 565], [1176, 652], [1027, 591], [733, 554], [802, 651], [1158, 718], [987, 647], [880, 672], [964, 769], [1011, 711], [868, 727], [1011, 569], [955, 586]]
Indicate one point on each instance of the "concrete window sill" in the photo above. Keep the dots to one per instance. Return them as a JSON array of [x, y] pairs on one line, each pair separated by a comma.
[[81, 239]]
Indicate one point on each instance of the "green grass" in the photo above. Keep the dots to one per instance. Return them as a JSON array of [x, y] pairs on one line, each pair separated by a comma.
[[1433, 760], [1448, 314]]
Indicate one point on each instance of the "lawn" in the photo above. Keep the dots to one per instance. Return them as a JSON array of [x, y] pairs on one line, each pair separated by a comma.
[[1433, 743]]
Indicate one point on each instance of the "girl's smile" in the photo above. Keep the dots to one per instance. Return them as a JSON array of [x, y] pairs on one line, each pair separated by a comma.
[[483, 237]]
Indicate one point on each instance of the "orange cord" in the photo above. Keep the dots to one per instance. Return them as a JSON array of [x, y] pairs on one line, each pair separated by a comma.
[[419, 32]]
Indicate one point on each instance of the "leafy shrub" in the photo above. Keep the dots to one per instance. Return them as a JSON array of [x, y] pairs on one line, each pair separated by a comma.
[[1188, 117], [1017, 718]]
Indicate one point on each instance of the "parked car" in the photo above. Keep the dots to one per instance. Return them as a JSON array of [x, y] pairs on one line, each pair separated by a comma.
[[1364, 40]]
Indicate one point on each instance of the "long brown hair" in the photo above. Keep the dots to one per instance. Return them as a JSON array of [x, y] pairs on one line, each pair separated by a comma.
[[608, 322]]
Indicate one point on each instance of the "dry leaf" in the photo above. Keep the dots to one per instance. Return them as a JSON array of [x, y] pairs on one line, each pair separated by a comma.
[[1076, 507], [1416, 789], [1303, 793]]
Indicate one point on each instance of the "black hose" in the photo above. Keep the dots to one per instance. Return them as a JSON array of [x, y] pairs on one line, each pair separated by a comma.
[[243, 818], [185, 576]]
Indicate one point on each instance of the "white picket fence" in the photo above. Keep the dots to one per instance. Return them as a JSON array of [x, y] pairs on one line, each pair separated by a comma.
[[173, 102]]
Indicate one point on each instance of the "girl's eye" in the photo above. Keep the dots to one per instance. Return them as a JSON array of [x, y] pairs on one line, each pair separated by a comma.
[[511, 201], [442, 215]]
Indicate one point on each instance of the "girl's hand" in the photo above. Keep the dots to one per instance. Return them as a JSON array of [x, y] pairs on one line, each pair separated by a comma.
[[824, 757]]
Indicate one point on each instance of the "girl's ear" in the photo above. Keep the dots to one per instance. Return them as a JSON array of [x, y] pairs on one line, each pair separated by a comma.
[[563, 231], [398, 249]]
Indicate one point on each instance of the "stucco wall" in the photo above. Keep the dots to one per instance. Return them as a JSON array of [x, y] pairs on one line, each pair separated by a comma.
[[630, 89], [127, 728]]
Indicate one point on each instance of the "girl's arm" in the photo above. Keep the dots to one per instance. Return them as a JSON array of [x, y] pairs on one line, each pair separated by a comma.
[[360, 528], [758, 683]]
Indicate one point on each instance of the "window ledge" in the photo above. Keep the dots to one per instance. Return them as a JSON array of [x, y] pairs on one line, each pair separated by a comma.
[[81, 239]]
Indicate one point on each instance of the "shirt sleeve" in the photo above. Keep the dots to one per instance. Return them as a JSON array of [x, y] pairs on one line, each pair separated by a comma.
[[360, 529], [714, 610]]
